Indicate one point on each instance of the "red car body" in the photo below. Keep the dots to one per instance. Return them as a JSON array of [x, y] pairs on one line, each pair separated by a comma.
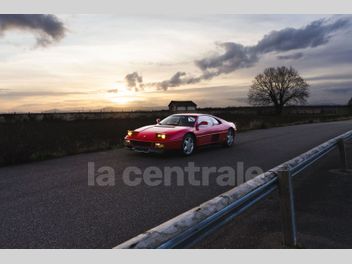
[[150, 139]]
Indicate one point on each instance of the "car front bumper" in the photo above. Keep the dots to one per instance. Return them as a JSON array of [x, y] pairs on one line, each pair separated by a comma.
[[151, 147]]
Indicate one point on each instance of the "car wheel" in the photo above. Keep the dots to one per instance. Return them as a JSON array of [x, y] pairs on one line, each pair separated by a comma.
[[230, 138], [188, 145]]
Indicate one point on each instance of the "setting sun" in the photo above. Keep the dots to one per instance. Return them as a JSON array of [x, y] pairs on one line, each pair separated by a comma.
[[122, 96], [123, 100]]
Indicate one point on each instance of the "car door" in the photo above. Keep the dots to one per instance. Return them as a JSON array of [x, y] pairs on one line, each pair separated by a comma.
[[215, 130], [203, 132]]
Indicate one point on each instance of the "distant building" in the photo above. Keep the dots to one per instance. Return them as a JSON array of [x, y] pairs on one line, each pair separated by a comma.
[[177, 106]]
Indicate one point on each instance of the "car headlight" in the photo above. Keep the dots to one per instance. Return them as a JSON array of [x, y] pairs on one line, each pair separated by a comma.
[[161, 136], [129, 133]]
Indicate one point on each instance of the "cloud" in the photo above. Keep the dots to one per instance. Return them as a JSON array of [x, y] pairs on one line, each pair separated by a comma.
[[237, 56], [113, 91], [179, 78], [242, 100], [134, 81], [6, 93], [340, 90], [294, 56], [330, 77], [331, 92], [47, 29], [314, 34]]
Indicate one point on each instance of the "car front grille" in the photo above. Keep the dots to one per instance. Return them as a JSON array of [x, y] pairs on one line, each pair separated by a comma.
[[141, 144]]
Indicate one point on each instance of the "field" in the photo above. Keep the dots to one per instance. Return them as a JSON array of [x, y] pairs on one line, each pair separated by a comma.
[[29, 139]]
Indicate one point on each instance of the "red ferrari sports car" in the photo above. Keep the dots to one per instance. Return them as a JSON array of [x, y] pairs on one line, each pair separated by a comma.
[[184, 132]]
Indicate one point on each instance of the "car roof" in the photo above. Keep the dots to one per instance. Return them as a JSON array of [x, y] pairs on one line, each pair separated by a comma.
[[198, 115], [190, 114]]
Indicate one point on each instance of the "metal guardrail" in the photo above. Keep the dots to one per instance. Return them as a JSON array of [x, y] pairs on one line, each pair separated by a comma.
[[192, 226]]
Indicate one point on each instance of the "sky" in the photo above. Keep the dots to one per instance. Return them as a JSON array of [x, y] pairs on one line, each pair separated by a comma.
[[90, 62]]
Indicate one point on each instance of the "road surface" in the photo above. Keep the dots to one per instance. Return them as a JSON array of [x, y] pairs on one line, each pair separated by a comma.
[[49, 204]]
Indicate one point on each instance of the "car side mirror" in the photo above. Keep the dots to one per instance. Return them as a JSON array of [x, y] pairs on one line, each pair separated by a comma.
[[158, 120], [203, 123]]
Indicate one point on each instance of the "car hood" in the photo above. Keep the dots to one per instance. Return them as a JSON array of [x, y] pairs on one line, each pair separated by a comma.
[[148, 132], [161, 129]]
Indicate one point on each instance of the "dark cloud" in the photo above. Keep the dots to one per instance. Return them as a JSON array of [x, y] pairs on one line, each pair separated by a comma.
[[315, 34], [134, 81], [47, 28], [175, 80], [179, 78], [236, 56], [294, 56]]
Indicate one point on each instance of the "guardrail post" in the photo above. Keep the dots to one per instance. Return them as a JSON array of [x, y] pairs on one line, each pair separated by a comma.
[[343, 157], [287, 207]]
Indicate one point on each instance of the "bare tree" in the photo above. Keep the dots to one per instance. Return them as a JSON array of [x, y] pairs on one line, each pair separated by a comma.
[[279, 87]]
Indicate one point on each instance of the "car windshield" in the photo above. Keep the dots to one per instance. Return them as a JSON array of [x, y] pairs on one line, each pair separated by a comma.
[[179, 120]]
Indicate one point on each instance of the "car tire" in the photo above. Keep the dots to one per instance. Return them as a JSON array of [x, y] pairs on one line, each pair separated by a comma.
[[230, 138], [188, 145]]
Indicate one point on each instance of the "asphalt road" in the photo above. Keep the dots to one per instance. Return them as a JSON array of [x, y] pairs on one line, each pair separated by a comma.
[[49, 204]]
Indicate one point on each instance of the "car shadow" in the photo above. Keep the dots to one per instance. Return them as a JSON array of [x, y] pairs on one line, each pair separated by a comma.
[[216, 148]]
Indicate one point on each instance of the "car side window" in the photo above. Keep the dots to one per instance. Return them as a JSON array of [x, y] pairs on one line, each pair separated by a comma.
[[214, 121], [207, 119], [187, 121]]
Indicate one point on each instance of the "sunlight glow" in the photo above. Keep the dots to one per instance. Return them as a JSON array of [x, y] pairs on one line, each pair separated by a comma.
[[123, 96]]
